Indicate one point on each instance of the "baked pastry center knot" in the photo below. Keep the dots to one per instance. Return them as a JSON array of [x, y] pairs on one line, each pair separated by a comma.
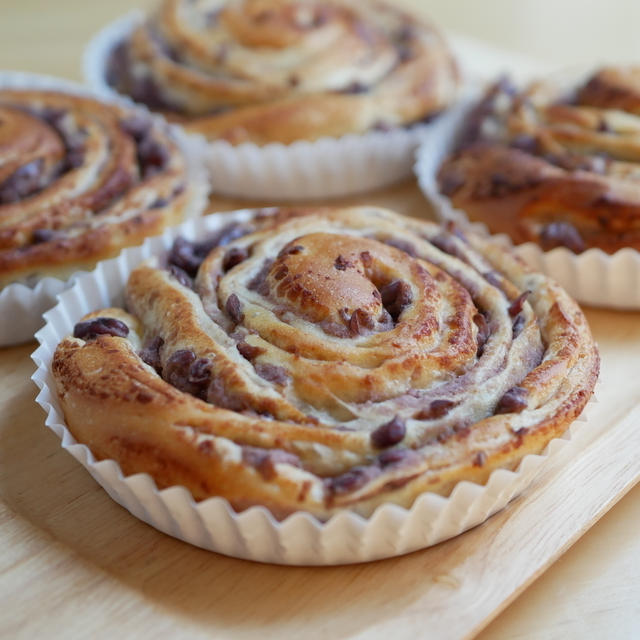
[[325, 276]]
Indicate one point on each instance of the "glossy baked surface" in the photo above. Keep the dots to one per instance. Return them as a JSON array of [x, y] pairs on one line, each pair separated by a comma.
[[321, 359], [79, 180], [274, 71], [553, 163]]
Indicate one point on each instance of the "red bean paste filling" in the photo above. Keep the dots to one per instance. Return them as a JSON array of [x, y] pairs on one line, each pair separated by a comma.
[[193, 375], [92, 329], [554, 234], [31, 178], [185, 257]]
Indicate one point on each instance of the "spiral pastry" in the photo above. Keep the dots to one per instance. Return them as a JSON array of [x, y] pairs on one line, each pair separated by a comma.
[[327, 360], [556, 166], [282, 70], [79, 180]]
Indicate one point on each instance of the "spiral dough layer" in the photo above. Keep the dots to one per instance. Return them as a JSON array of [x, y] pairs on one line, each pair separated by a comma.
[[553, 165], [317, 360], [79, 180], [281, 70]]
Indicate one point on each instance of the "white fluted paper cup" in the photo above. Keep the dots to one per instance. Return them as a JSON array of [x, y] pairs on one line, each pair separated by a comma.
[[254, 534], [27, 301], [592, 277], [326, 168]]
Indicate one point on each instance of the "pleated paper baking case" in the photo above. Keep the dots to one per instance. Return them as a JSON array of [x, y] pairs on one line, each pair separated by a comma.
[[255, 534], [326, 168], [592, 277], [22, 304]]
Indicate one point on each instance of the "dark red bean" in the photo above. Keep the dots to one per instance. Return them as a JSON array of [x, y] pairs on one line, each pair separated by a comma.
[[493, 278], [233, 307], [335, 329], [183, 254], [100, 327], [259, 281], [445, 242], [291, 250], [158, 203], [218, 395], [272, 373], [351, 480], [355, 87], [136, 126], [188, 373], [367, 259], [360, 322], [389, 433], [525, 142], [479, 459], [43, 235], [234, 257], [513, 401], [341, 263], [516, 306], [152, 156], [227, 234], [562, 234], [176, 369], [483, 332], [189, 255], [200, 371], [150, 353], [436, 409], [396, 297], [74, 157], [23, 182], [248, 351], [181, 276], [518, 325], [265, 460], [396, 456], [147, 91]]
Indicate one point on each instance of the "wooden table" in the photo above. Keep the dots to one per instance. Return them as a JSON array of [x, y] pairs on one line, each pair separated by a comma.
[[75, 564]]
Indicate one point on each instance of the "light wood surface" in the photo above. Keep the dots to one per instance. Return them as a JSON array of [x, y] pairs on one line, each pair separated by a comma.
[[75, 564]]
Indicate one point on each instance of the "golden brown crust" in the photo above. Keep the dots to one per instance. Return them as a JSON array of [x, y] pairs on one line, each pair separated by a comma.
[[81, 179], [551, 167], [274, 71], [332, 360]]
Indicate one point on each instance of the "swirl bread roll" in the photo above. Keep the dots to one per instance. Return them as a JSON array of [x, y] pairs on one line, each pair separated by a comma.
[[79, 180], [323, 360], [266, 71], [553, 164]]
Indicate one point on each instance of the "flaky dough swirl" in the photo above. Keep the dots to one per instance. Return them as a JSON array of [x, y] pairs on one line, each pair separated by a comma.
[[280, 70], [326, 360], [553, 164], [79, 180]]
